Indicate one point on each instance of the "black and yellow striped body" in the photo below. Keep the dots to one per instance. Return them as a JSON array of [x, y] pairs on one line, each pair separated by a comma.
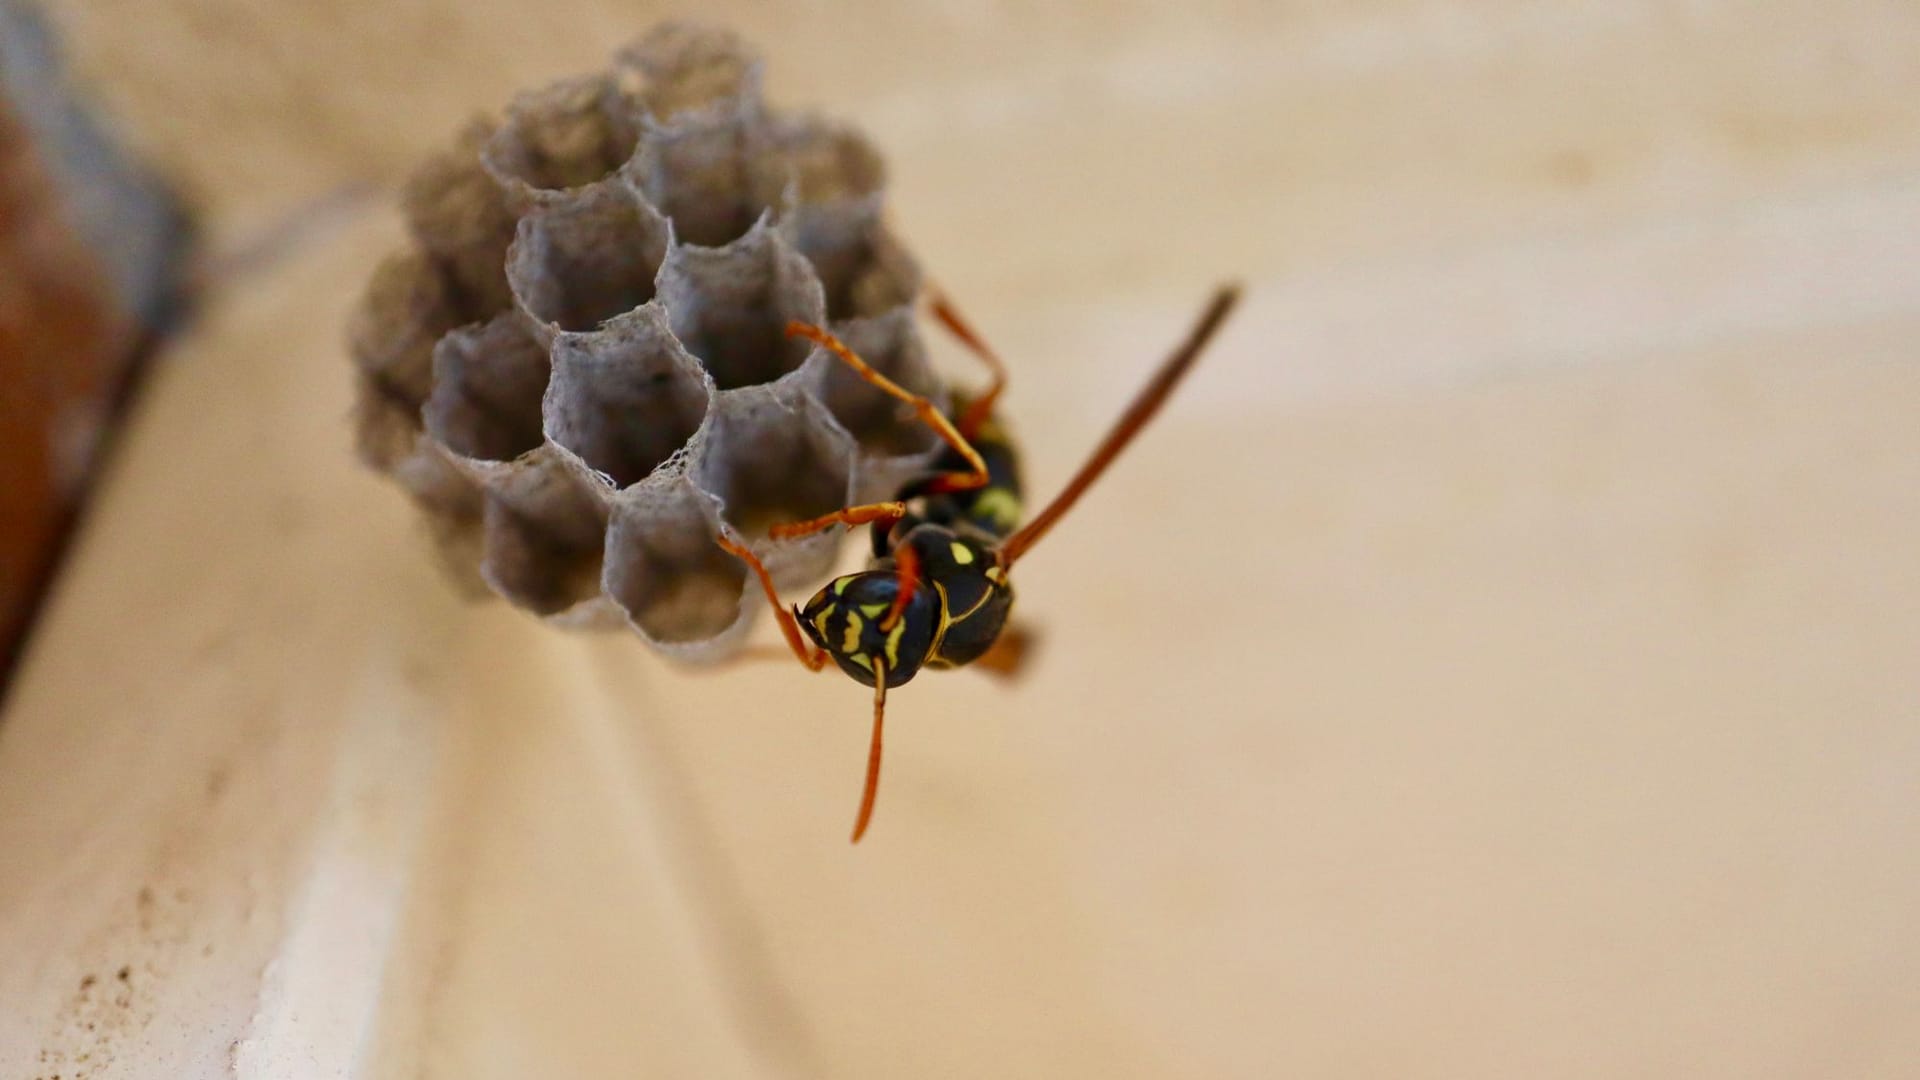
[[992, 511], [963, 598], [846, 618], [975, 597], [956, 613]]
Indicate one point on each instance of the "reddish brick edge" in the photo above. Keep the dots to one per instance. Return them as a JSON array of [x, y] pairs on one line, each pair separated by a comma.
[[66, 346]]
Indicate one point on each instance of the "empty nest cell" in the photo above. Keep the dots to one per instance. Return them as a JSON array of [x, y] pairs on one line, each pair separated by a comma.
[[863, 270], [407, 307], [587, 256], [770, 458], [833, 215], [459, 216], [731, 306], [826, 162], [543, 536], [710, 173], [664, 568], [681, 68], [704, 159], [385, 428], [488, 382], [627, 397], [563, 137]]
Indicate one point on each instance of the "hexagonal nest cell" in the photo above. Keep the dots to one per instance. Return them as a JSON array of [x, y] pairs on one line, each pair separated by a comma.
[[579, 368]]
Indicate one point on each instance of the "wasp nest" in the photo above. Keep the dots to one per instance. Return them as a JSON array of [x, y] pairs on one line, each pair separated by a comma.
[[579, 369]]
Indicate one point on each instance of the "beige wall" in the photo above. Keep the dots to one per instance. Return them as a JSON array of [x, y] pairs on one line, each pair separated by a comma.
[[1500, 660]]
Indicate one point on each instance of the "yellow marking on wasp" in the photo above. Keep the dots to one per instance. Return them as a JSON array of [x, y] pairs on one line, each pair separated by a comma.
[[940, 631], [874, 611], [1000, 504], [977, 605], [962, 554], [893, 644], [861, 659], [820, 620], [852, 640], [996, 575], [840, 584]]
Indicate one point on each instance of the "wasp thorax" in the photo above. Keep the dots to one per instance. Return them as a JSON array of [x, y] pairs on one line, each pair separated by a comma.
[[850, 619]]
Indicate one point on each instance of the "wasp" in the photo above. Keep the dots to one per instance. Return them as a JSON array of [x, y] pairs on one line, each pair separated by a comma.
[[937, 591]]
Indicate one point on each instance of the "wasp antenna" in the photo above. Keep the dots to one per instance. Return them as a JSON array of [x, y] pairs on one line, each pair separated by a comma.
[[1144, 406], [872, 789]]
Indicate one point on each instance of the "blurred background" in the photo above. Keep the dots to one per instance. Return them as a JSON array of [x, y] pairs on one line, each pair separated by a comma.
[[1500, 659]]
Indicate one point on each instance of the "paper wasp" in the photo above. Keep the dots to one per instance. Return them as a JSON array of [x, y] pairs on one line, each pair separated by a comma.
[[936, 593]]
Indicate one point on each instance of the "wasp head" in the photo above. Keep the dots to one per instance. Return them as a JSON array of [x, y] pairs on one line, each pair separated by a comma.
[[852, 618]]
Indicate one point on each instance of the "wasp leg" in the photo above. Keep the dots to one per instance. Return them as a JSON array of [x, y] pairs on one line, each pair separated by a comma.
[[872, 789], [981, 407], [907, 563], [881, 536], [814, 658], [886, 513], [976, 474]]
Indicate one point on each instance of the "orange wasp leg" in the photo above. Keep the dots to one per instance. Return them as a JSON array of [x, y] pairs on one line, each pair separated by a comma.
[[814, 658], [908, 562], [980, 408], [885, 512], [922, 408]]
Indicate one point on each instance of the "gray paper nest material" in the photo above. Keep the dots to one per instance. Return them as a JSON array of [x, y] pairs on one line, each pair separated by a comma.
[[579, 369]]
